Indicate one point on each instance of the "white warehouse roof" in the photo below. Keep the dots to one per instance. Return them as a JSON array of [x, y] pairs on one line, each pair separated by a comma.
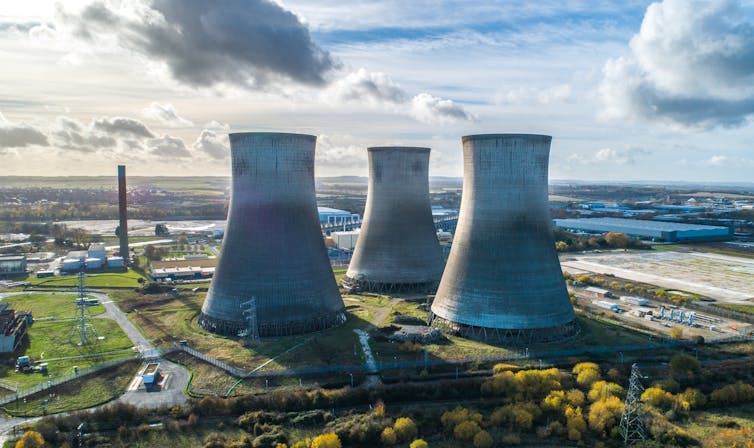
[[670, 231]]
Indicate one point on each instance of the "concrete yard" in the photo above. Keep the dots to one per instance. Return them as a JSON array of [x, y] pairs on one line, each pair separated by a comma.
[[722, 277]]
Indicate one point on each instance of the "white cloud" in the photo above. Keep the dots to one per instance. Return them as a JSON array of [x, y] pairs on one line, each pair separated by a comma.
[[690, 65], [213, 145], [431, 109], [338, 152], [165, 114], [217, 126], [717, 160], [560, 93], [168, 147], [379, 90], [20, 135]]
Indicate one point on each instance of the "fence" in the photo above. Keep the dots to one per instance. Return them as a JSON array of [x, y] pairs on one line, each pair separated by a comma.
[[22, 393], [425, 363]]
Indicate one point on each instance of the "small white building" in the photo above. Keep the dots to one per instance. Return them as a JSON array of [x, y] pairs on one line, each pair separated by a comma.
[[345, 240]]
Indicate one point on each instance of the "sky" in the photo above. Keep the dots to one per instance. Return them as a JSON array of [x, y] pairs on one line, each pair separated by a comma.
[[629, 90]]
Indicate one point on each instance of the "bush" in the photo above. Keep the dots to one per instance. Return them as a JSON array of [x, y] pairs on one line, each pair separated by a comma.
[[31, 439], [388, 436], [733, 393], [419, 443], [465, 431], [580, 367], [605, 414], [450, 419], [676, 333], [511, 439], [483, 439], [326, 441], [504, 383], [575, 397], [585, 378], [602, 389], [682, 364], [575, 423], [694, 397], [405, 428], [657, 397]]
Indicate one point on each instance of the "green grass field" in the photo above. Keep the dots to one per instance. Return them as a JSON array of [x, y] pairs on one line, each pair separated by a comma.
[[49, 306], [54, 340], [748, 309], [82, 393]]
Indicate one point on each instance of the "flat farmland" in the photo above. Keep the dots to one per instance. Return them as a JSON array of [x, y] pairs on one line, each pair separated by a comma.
[[722, 277]]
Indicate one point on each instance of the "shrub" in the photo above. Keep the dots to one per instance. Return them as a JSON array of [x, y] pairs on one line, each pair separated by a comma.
[[504, 383], [694, 397], [388, 436], [450, 419], [657, 397], [419, 443], [465, 431], [605, 414], [31, 439], [575, 423], [682, 364], [580, 367], [405, 428], [554, 401], [326, 441], [575, 397], [483, 439], [733, 393], [586, 377], [511, 439], [602, 389], [538, 383], [676, 333], [516, 415], [502, 367]]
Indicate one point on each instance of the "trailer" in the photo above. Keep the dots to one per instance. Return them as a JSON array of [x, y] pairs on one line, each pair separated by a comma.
[[150, 374], [634, 300], [607, 305]]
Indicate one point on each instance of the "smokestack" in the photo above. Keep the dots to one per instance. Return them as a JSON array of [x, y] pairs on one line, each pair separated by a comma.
[[397, 249], [273, 254], [123, 214], [503, 280]]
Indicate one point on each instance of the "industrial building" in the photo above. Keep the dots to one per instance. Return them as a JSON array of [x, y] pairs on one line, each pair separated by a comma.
[[503, 280], [334, 216], [12, 265], [641, 228], [13, 328], [345, 240], [94, 258], [397, 249], [183, 269], [274, 276]]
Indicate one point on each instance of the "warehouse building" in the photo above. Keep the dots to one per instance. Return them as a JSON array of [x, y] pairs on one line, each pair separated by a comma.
[[329, 215], [640, 228], [12, 265]]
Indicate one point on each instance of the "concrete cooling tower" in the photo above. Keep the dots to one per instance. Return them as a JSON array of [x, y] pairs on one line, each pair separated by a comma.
[[503, 280], [274, 275], [397, 249]]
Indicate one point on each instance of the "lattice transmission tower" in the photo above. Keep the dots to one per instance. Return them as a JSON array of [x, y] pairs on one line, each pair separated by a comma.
[[83, 322], [631, 423]]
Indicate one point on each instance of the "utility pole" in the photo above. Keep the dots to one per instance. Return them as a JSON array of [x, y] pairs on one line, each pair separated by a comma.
[[631, 424], [83, 324]]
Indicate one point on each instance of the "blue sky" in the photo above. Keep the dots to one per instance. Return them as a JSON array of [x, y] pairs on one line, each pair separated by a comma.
[[628, 90]]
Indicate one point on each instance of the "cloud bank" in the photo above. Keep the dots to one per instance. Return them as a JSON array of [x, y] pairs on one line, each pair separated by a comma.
[[691, 65]]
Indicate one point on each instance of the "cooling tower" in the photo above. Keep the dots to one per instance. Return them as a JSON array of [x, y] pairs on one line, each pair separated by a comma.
[[273, 253], [397, 249], [503, 280]]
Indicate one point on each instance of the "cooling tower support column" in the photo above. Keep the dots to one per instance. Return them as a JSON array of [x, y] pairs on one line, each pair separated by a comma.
[[273, 253], [123, 215], [397, 249], [503, 280]]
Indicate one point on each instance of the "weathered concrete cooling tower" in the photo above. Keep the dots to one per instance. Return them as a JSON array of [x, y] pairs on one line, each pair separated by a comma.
[[503, 280], [273, 253], [397, 249]]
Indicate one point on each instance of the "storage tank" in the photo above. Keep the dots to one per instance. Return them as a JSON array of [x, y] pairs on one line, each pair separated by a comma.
[[273, 253], [503, 280], [397, 249]]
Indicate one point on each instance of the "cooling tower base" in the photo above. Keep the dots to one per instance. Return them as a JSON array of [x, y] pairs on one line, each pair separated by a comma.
[[233, 328], [357, 285], [508, 335]]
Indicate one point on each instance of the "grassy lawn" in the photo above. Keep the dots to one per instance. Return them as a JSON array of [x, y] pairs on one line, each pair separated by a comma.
[[748, 309], [166, 318], [729, 427], [49, 305], [51, 340], [103, 280], [81, 393]]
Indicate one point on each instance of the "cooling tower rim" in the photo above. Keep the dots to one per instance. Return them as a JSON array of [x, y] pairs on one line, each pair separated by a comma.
[[476, 137], [240, 135], [411, 149]]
